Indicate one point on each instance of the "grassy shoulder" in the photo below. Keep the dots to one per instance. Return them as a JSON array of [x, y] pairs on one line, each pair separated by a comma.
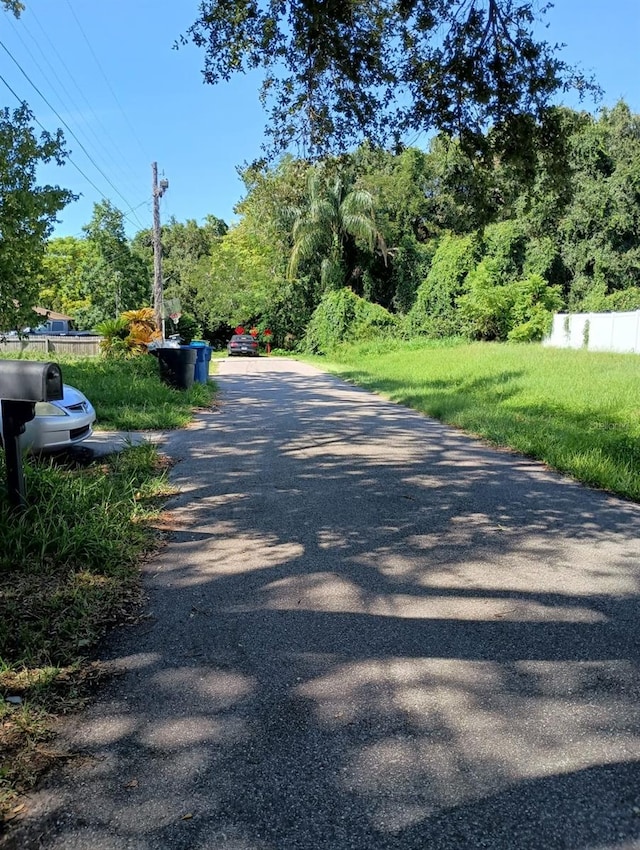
[[60, 591], [577, 411], [128, 395]]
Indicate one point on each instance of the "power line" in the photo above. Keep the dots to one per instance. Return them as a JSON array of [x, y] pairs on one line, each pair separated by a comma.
[[61, 119], [104, 76], [69, 158], [95, 119]]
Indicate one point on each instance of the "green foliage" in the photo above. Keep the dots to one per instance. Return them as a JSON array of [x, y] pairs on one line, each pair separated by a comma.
[[336, 73], [115, 278], [600, 231], [521, 311], [234, 281], [435, 310], [343, 315], [576, 411], [60, 592], [336, 224], [27, 212], [128, 395], [114, 333], [62, 282], [448, 238]]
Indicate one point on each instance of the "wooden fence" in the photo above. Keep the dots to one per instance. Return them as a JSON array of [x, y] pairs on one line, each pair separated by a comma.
[[85, 346]]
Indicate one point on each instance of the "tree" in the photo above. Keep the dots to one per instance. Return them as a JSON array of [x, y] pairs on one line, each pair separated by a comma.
[[341, 71], [14, 6], [116, 279], [336, 220], [62, 286], [232, 285], [27, 212], [600, 230]]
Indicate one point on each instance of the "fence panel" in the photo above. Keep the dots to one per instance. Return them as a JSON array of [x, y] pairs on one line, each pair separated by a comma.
[[596, 331], [81, 346]]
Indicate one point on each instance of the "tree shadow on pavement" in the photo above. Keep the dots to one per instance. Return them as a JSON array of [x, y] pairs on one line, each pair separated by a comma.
[[368, 632]]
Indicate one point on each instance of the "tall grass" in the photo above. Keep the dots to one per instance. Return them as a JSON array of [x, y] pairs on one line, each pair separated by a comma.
[[577, 411], [129, 395], [68, 570]]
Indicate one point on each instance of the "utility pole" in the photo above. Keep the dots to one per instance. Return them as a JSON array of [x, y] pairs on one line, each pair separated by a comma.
[[158, 192]]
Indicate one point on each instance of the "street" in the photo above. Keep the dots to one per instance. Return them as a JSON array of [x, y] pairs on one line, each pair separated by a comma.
[[366, 632]]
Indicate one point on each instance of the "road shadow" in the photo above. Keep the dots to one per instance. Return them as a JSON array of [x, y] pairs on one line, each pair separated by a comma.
[[368, 631]]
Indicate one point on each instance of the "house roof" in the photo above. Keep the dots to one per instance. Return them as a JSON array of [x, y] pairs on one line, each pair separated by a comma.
[[50, 314]]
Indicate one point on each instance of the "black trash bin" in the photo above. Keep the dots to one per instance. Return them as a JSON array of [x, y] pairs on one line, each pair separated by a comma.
[[177, 366]]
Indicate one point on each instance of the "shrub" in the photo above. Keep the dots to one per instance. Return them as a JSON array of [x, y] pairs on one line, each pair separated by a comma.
[[434, 312], [342, 315], [519, 311]]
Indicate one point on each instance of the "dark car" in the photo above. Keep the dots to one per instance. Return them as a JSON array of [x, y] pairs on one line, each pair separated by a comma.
[[243, 345]]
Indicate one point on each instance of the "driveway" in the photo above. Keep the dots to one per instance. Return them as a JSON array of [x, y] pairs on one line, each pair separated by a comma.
[[367, 632]]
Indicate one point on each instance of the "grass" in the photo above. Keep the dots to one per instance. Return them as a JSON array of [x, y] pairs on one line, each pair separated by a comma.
[[577, 411], [128, 394], [60, 592]]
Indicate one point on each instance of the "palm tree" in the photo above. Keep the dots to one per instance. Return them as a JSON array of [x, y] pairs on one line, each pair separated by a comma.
[[334, 215]]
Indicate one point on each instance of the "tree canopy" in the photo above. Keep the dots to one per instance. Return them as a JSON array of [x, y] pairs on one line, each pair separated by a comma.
[[27, 212], [336, 72]]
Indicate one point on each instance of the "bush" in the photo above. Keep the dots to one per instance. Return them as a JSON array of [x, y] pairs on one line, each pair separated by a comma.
[[434, 312], [519, 311], [342, 315]]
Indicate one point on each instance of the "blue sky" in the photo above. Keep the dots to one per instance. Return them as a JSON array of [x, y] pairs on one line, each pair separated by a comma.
[[107, 74]]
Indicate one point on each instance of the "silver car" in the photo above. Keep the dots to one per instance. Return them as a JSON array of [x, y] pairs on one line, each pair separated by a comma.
[[58, 424]]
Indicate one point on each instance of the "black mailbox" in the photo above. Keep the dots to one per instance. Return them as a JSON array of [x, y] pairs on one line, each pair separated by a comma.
[[22, 384], [27, 380]]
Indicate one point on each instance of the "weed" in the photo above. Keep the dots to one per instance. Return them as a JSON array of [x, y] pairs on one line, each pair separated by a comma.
[[59, 591]]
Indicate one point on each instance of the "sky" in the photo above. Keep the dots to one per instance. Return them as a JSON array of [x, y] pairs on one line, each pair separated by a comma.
[[108, 75]]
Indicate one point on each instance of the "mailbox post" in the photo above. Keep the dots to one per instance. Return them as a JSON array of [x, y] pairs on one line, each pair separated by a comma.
[[22, 384]]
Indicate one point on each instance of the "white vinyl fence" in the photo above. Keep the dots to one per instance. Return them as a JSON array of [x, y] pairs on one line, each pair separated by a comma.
[[596, 331]]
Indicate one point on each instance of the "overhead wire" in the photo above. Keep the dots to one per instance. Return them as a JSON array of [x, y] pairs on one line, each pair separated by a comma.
[[106, 79], [95, 121], [73, 134], [69, 158]]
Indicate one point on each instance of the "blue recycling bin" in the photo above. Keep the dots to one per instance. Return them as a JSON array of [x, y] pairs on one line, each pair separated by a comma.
[[203, 358]]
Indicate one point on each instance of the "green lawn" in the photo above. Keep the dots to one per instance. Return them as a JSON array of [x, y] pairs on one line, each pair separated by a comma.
[[128, 394], [577, 411]]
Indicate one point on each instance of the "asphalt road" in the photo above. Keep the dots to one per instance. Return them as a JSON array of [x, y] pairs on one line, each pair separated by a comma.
[[368, 632]]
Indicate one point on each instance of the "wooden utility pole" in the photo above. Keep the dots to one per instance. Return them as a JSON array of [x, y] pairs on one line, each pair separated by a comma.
[[158, 192]]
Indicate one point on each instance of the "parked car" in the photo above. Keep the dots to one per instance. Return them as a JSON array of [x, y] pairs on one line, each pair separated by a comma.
[[58, 424], [243, 344], [59, 327]]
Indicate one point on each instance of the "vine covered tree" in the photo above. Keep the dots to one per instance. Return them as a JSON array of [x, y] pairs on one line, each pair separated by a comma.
[[340, 71]]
